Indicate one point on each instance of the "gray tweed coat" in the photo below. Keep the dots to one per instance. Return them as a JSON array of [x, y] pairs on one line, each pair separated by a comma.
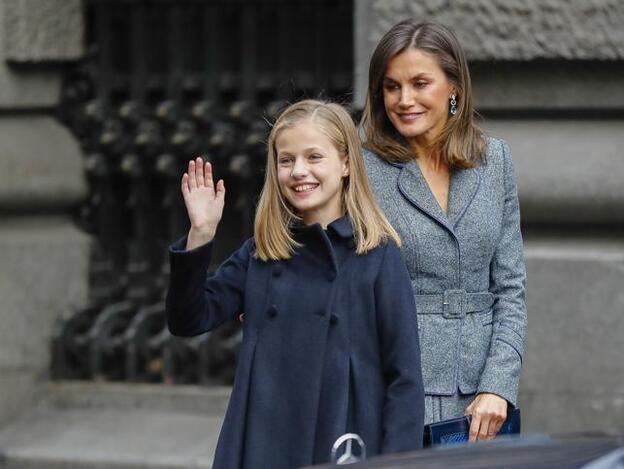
[[467, 271]]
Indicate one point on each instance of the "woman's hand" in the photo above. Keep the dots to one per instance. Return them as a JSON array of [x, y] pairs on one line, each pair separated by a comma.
[[204, 203], [488, 412]]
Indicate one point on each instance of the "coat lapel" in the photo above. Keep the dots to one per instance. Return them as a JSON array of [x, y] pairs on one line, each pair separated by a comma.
[[464, 186], [413, 185]]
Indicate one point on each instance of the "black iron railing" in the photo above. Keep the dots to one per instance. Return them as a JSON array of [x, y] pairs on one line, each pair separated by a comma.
[[164, 81]]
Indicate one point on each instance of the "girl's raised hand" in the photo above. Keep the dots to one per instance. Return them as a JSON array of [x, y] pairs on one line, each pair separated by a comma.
[[204, 202]]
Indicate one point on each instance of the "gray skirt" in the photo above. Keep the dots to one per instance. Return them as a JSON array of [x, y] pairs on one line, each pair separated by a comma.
[[446, 407]]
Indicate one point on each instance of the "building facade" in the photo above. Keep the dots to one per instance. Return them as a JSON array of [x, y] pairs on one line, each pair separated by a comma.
[[547, 78]]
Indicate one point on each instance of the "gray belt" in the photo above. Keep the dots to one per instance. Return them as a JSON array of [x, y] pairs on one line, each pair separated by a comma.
[[453, 303]]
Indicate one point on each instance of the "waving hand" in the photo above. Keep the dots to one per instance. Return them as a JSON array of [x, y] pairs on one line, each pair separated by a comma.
[[204, 202]]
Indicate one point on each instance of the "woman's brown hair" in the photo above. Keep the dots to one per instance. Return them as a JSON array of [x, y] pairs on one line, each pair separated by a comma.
[[275, 216], [461, 143]]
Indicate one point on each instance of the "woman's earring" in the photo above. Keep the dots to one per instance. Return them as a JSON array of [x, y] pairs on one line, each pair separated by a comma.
[[453, 105]]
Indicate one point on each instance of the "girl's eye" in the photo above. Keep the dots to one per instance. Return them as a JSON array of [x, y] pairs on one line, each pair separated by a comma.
[[421, 84], [284, 161], [391, 86], [315, 156]]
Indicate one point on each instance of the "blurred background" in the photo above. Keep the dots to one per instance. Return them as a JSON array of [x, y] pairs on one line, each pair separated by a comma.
[[102, 103]]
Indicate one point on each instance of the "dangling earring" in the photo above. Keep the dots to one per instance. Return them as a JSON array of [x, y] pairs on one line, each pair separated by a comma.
[[453, 105]]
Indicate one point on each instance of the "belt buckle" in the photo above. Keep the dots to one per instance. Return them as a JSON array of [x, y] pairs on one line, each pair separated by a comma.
[[453, 305]]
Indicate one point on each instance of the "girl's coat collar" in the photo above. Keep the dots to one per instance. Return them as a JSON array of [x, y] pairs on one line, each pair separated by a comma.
[[314, 237], [341, 226]]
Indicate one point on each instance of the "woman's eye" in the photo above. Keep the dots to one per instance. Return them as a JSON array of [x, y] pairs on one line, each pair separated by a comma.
[[284, 161], [391, 87], [421, 84], [315, 156]]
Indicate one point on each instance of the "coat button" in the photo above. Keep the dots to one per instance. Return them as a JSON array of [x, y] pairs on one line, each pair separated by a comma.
[[277, 271], [272, 312], [331, 276], [333, 320]]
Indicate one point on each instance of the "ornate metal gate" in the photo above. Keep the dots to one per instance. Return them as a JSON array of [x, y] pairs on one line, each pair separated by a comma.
[[164, 81]]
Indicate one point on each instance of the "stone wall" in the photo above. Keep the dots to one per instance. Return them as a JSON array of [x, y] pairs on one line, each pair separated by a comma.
[[547, 76], [43, 265], [518, 30], [499, 30]]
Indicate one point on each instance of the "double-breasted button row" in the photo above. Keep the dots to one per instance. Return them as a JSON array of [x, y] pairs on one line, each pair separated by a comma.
[[277, 272], [333, 319]]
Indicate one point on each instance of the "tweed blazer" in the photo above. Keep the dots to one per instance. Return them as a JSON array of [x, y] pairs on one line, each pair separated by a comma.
[[466, 268]]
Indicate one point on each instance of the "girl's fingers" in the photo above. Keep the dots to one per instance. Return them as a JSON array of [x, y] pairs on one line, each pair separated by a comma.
[[220, 189], [208, 175], [192, 180], [199, 172], [185, 184]]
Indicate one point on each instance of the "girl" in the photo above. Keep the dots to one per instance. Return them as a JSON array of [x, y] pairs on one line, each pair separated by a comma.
[[451, 193], [330, 340]]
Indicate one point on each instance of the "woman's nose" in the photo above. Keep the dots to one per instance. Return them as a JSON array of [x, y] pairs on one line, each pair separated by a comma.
[[407, 97]]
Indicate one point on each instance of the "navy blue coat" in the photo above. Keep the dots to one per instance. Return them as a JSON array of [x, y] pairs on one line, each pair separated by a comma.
[[330, 346]]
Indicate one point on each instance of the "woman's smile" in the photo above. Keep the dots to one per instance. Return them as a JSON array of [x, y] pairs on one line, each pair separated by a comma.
[[410, 116], [416, 96]]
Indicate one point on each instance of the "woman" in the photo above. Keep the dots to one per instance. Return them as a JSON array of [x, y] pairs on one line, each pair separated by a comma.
[[451, 194]]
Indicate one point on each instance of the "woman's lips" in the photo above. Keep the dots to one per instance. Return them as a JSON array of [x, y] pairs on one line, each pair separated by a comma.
[[410, 116]]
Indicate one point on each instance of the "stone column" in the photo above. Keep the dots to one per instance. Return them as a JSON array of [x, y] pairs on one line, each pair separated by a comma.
[[43, 256], [547, 76]]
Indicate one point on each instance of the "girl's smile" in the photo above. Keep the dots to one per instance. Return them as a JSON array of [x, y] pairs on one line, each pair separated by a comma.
[[302, 190], [310, 172]]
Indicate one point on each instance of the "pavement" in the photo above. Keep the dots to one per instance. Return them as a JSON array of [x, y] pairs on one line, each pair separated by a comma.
[[118, 426]]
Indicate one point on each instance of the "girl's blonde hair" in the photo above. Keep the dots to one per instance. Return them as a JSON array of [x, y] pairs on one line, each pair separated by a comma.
[[461, 143], [274, 215]]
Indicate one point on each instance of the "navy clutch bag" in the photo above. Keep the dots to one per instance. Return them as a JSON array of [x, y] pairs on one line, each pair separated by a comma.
[[454, 431]]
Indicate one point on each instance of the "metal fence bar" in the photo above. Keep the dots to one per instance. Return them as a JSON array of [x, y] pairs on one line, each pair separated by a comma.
[[171, 79]]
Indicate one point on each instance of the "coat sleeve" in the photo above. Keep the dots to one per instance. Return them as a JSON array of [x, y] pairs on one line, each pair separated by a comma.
[[403, 412], [501, 373], [197, 303]]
